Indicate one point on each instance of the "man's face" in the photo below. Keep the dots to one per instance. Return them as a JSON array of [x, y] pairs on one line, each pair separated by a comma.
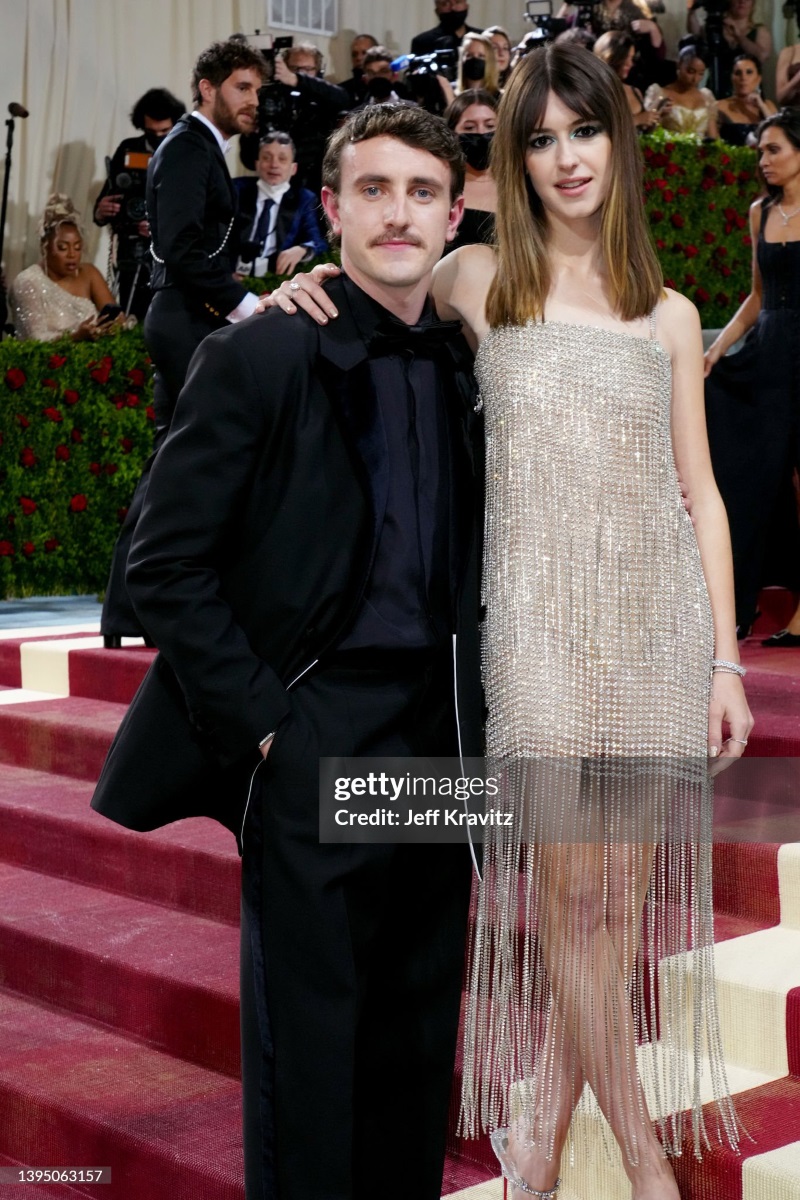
[[156, 130], [380, 69], [358, 49], [234, 104], [302, 62], [393, 212], [275, 163], [450, 6]]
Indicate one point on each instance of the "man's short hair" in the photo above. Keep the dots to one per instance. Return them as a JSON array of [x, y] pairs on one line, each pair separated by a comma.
[[377, 54], [159, 105], [280, 136], [303, 48], [408, 124], [223, 58], [364, 37]]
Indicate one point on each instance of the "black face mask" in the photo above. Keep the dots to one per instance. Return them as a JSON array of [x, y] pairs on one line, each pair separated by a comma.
[[451, 22], [379, 88], [476, 147], [473, 69]]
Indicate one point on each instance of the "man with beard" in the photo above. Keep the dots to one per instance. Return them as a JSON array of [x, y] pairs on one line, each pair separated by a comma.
[[121, 200], [191, 206], [450, 31]]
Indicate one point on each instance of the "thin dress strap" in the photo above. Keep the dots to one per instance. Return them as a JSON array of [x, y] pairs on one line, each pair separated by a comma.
[[653, 324]]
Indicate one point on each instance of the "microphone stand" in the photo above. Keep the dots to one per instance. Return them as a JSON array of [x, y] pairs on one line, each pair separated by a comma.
[[6, 181]]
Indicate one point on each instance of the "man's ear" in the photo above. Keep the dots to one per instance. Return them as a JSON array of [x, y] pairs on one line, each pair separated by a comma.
[[454, 218], [330, 204], [207, 91], [293, 171]]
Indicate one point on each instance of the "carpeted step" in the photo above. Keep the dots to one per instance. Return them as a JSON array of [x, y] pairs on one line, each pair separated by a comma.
[[67, 736], [73, 1093], [46, 824], [108, 674], [11, 643], [166, 977]]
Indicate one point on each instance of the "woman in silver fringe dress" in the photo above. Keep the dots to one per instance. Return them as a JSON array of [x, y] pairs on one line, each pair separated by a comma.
[[610, 654], [609, 647]]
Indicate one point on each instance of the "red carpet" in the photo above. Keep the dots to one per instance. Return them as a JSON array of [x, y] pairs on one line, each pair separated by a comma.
[[118, 955]]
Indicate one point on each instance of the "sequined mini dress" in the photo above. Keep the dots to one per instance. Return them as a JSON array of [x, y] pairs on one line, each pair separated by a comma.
[[597, 648]]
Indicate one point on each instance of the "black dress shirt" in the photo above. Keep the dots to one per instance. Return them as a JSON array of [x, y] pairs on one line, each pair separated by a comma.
[[406, 603]]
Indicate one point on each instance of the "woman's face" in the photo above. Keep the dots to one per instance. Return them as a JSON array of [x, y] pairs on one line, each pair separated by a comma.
[[474, 50], [63, 252], [626, 66], [568, 162], [478, 118], [741, 10], [691, 71], [502, 50], [778, 158], [746, 78]]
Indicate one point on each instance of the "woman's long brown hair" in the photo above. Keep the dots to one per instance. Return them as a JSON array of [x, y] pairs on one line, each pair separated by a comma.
[[589, 88]]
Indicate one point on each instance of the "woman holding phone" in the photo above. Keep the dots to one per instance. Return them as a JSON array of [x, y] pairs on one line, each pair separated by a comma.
[[61, 294]]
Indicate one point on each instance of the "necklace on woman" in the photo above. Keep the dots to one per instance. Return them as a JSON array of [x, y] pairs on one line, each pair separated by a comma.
[[788, 216]]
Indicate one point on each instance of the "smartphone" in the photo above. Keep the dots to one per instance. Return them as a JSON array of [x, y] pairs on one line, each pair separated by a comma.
[[109, 312]]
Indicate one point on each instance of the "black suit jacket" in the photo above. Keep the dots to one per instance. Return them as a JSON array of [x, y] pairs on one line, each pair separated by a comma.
[[297, 223], [253, 551], [191, 206]]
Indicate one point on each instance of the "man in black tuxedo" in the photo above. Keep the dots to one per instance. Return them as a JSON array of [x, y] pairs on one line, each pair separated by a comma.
[[451, 30], [307, 563], [278, 219], [191, 207]]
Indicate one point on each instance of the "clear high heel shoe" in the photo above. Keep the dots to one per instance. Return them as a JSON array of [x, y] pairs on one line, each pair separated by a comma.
[[499, 1141]]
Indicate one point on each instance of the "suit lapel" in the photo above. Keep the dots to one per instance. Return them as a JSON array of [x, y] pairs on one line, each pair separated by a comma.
[[348, 383]]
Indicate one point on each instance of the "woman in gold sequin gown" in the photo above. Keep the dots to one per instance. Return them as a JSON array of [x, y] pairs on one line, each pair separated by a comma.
[[605, 608]]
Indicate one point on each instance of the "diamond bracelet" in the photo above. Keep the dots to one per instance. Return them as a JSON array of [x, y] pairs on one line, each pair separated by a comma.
[[723, 666]]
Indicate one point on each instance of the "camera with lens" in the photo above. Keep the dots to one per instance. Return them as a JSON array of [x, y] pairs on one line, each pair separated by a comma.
[[130, 185], [439, 62]]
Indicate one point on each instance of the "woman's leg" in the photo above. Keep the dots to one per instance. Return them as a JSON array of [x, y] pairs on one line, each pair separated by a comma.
[[590, 901]]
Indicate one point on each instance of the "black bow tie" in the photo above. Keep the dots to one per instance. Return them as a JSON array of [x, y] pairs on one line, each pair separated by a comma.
[[391, 336]]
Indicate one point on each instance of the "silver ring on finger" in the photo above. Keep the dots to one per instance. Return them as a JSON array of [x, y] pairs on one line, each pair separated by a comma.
[[741, 741], [294, 287]]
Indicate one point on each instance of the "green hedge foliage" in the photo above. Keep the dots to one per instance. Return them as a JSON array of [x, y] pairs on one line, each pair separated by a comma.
[[76, 426], [697, 199]]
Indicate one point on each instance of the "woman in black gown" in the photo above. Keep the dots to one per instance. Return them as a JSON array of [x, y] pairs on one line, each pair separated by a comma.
[[753, 396]]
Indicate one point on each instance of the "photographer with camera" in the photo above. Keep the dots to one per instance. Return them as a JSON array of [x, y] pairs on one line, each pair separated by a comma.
[[121, 202], [302, 103]]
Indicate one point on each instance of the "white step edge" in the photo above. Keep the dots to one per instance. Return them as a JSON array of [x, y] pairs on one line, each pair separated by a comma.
[[45, 665], [774, 1175]]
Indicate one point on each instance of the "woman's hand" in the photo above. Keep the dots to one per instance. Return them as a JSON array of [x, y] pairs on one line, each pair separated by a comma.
[[728, 710], [710, 359], [304, 291]]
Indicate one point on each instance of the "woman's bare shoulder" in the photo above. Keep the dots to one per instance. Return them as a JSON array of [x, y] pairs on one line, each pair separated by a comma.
[[677, 321]]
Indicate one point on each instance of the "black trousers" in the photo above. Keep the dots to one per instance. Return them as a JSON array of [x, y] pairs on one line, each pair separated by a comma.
[[352, 957], [172, 334]]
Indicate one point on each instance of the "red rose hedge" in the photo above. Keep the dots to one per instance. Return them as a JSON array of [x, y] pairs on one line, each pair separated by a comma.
[[69, 458], [701, 218]]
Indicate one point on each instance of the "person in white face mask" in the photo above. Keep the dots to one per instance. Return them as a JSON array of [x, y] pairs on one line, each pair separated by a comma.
[[279, 223]]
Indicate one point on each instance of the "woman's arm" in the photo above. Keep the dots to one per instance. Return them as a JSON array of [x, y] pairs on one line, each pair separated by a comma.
[[679, 330], [747, 313], [760, 46], [460, 285], [713, 124], [787, 90], [99, 292]]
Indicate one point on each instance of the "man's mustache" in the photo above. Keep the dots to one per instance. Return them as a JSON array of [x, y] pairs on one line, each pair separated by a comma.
[[397, 235]]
